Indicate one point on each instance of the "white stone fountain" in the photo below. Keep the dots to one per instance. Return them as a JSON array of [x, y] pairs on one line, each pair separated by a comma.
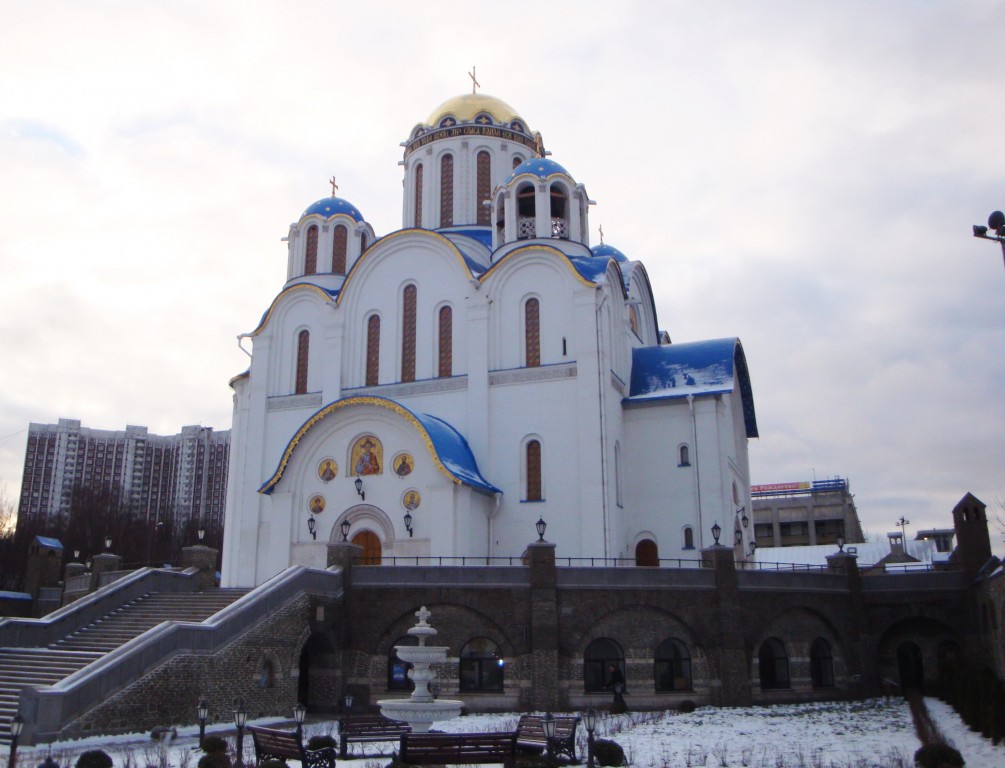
[[421, 710]]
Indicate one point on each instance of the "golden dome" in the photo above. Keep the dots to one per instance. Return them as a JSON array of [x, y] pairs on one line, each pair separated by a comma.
[[465, 107]]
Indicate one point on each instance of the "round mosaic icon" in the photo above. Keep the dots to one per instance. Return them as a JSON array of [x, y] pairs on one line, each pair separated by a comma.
[[316, 504], [403, 464], [411, 500], [327, 469]]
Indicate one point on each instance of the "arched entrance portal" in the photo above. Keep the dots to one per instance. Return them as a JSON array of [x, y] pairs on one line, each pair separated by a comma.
[[910, 666], [370, 543], [318, 669], [646, 553]]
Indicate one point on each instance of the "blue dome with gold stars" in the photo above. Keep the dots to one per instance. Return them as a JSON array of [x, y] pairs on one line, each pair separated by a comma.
[[331, 206], [542, 167]]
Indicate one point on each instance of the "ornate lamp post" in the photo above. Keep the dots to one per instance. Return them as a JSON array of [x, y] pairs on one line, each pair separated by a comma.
[[548, 724], [996, 224], [358, 482], [541, 528], [240, 720], [345, 526], [16, 726], [590, 721], [299, 713], [347, 702], [312, 525], [408, 523], [716, 531], [203, 713]]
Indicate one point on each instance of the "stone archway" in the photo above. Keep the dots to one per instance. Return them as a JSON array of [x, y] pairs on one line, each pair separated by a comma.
[[317, 683], [910, 666]]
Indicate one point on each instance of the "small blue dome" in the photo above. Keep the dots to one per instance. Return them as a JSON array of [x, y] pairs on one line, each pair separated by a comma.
[[330, 206], [541, 167], [604, 251]]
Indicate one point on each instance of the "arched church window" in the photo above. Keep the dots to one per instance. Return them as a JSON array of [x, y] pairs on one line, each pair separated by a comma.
[[526, 224], [339, 248], [672, 666], [446, 345], [481, 666], [397, 670], [500, 218], [372, 350], [533, 470], [684, 456], [559, 212], [774, 665], [311, 259], [303, 352], [408, 301], [267, 674], [633, 319], [688, 537], [603, 660], [532, 333], [483, 188], [447, 191], [821, 664], [418, 195], [647, 554], [517, 160]]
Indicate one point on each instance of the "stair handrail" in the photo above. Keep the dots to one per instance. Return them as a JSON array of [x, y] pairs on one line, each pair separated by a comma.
[[64, 621], [48, 710]]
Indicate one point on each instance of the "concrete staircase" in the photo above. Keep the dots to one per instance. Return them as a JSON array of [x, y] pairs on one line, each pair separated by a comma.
[[20, 667]]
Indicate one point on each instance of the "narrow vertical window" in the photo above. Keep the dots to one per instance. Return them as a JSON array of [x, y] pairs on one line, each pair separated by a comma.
[[532, 333], [689, 538], [446, 361], [534, 470], [408, 333], [303, 350], [418, 195], [483, 188], [447, 191], [372, 350], [339, 249], [362, 242], [311, 261]]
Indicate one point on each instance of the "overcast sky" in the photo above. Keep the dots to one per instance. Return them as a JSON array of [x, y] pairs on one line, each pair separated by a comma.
[[801, 175]]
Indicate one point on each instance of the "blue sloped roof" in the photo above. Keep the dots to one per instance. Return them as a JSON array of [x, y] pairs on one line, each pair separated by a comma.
[[450, 448], [482, 234], [330, 206], [454, 452], [591, 269], [47, 541], [608, 251], [696, 368], [541, 167]]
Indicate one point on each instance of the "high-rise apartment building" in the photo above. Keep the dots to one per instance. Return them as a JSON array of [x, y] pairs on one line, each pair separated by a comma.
[[170, 479]]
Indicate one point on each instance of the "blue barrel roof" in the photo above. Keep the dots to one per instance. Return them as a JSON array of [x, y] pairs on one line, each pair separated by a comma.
[[541, 167]]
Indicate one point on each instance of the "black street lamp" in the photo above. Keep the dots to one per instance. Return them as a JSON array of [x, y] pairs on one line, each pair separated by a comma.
[[108, 542], [299, 713], [716, 530], [840, 543], [548, 724], [358, 482], [312, 525], [347, 702], [738, 535], [240, 720], [590, 721], [541, 528], [203, 714], [996, 224], [408, 523], [201, 533], [16, 726], [753, 547], [345, 526]]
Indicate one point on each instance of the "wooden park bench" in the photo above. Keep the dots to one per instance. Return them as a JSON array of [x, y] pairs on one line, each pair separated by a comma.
[[271, 743], [364, 728], [457, 748], [530, 735]]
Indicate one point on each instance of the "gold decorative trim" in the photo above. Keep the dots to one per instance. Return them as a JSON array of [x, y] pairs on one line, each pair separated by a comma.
[[536, 247], [272, 306], [338, 405], [394, 236]]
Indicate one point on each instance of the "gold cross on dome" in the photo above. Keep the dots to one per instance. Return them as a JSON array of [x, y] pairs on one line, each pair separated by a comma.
[[334, 185], [601, 234], [474, 80]]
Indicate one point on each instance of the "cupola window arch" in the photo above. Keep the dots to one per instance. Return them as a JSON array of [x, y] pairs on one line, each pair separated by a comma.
[[372, 375], [445, 345], [311, 254], [483, 187], [339, 249], [447, 190], [303, 355], [559, 211], [409, 299], [418, 194]]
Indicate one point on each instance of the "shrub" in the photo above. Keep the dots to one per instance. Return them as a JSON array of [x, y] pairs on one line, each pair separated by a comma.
[[320, 742], [214, 760], [686, 707], [212, 745], [607, 752], [94, 758], [939, 755]]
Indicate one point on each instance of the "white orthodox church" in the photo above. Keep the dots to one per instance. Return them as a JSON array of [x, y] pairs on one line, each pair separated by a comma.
[[443, 387]]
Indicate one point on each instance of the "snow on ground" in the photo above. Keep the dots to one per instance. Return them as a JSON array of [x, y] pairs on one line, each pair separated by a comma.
[[858, 734]]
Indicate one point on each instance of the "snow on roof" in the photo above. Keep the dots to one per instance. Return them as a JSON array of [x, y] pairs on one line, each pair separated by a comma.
[[696, 368], [868, 553]]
